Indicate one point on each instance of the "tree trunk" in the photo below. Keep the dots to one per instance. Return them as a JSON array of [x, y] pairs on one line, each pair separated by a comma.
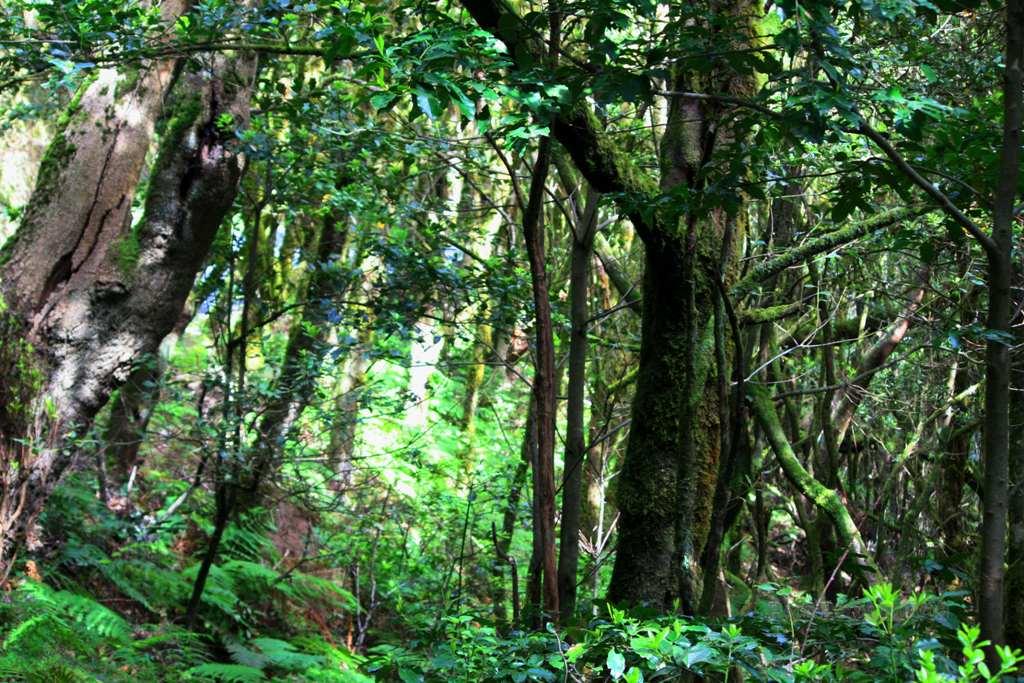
[[845, 403], [646, 493], [996, 441], [503, 539], [93, 295], [298, 377], [575, 442], [543, 384], [1015, 551]]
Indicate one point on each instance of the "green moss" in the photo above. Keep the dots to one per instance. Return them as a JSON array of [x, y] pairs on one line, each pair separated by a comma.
[[181, 116], [128, 249], [70, 113], [127, 81], [607, 154], [21, 377], [58, 153], [753, 316], [824, 498]]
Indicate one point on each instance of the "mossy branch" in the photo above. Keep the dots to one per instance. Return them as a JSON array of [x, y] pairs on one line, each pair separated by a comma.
[[824, 498], [817, 245], [769, 314]]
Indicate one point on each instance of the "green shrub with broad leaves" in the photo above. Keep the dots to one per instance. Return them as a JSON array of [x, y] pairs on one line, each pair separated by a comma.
[[882, 636]]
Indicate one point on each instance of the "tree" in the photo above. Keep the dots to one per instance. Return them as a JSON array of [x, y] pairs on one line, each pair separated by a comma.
[[91, 294]]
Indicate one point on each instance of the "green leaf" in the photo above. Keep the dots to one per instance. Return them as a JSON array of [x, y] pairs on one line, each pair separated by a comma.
[[616, 664], [634, 675], [698, 654], [382, 100]]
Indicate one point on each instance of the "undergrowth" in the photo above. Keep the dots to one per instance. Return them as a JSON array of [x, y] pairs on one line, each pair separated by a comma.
[[105, 604]]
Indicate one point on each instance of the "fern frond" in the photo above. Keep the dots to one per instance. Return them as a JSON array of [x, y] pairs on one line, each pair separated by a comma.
[[228, 673], [283, 655]]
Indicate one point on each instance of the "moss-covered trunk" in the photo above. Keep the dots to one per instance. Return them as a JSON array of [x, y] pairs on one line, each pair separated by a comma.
[[646, 490], [108, 295]]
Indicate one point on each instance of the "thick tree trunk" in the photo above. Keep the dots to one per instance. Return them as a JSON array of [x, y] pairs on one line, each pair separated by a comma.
[[94, 295], [646, 495]]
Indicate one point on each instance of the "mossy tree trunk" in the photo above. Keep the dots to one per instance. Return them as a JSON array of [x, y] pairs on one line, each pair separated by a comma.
[[582, 250], [825, 499], [93, 295], [673, 439]]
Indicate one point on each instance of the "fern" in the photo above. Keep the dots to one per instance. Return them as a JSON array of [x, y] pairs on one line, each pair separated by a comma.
[[61, 636], [247, 539], [283, 655], [229, 673]]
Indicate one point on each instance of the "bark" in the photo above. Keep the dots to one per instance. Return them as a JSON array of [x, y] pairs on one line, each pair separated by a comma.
[[996, 440], [575, 443], [108, 295], [1015, 550], [543, 384]]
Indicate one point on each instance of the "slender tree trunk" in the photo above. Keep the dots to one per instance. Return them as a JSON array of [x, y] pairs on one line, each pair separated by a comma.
[[845, 403], [955, 443], [1015, 551], [575, 445], [471, 398], [503, 539], [347, 402], [297, 380], [996, 440], [543, 384]]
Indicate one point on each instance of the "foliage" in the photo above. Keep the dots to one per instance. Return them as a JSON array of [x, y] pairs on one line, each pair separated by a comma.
[[345, 431]]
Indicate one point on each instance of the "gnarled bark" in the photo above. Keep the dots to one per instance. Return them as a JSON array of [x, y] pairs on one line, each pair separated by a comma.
[[109, 295]]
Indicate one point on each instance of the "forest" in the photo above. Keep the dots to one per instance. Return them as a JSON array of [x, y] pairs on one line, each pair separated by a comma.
[[511, 340]]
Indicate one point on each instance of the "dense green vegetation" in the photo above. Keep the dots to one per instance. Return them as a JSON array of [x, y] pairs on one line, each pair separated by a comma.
[[494, 340]]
